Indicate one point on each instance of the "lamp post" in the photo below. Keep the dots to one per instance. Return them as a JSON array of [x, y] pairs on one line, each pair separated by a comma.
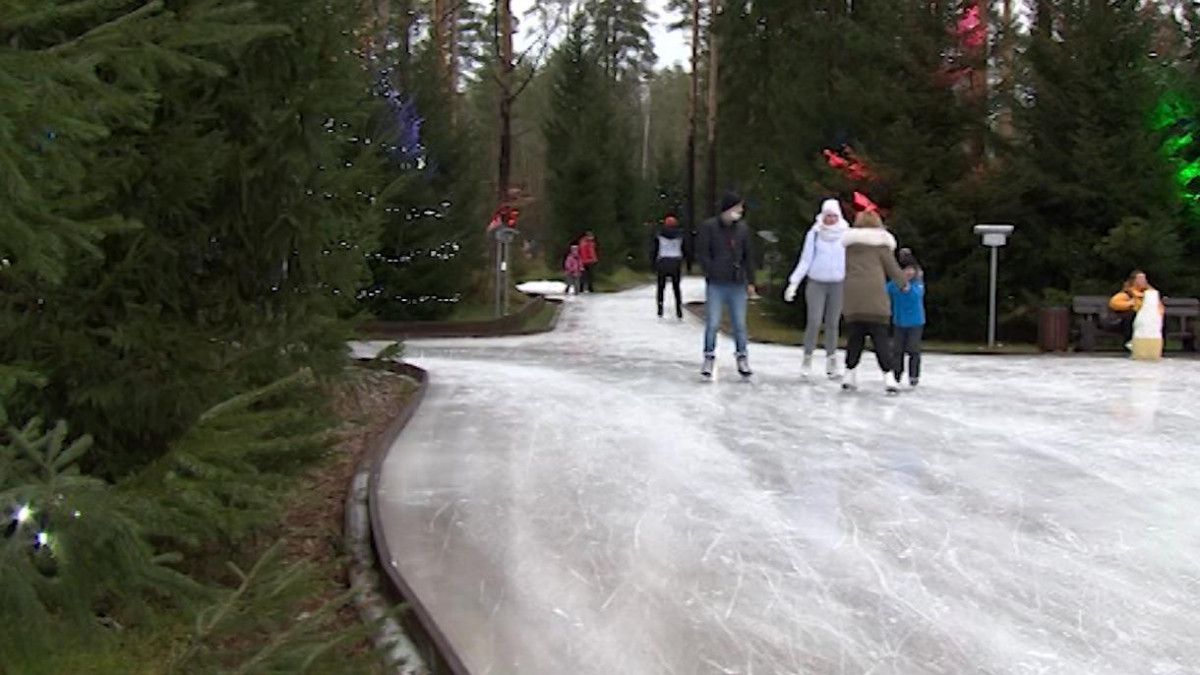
[[994, 236]]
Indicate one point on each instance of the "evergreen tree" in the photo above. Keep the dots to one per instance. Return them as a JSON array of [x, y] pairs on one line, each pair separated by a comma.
[[231, 134], [430, 259], [1090, 158], [579, 132]]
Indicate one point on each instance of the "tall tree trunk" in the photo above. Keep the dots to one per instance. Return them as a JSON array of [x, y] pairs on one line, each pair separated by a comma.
[[452, 59], [505, 42], [693, 99], [647, 101], [714, 70], [1004, 124]]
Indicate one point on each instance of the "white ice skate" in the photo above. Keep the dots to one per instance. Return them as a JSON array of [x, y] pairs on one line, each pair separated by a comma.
[[806, 367], [706, 370], [891, 384], [743, 366], [831, 368], [850, 381]]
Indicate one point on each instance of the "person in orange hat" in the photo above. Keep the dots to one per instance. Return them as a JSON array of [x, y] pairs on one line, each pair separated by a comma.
[[666, 257]]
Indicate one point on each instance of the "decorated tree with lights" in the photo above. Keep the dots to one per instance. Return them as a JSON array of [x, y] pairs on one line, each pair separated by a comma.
[[429, 257]]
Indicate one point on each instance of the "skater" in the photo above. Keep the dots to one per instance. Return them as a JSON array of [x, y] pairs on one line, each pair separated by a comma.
[[870, 260], [573, 267], [666, 257], [1126, 303], [823, 261], [590, 256], [723, 251], [908, 323]]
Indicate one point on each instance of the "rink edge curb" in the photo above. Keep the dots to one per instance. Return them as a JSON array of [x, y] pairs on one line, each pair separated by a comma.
[[376, 583]]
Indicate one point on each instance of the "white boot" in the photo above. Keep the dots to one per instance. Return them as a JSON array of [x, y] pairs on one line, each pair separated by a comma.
[[831, 368], [850, 381], [891, 384], [806, 368]]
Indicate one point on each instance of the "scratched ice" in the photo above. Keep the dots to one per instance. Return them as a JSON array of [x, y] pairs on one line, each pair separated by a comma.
[[580, 503]]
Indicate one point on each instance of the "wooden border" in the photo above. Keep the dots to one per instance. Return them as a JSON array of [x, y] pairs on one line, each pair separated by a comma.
[[373, 464]]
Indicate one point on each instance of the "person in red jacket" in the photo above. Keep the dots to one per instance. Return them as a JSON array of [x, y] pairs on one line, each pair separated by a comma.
[[589, 255]]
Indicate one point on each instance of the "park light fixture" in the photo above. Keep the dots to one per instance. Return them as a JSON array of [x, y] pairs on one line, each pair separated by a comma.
[[994, 236]]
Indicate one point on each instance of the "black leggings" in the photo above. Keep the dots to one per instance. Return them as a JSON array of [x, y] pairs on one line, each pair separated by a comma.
[[857, 332], [669, 269]]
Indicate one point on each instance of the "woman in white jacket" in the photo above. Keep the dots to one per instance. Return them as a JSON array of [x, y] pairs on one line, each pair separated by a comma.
[[823, 261]]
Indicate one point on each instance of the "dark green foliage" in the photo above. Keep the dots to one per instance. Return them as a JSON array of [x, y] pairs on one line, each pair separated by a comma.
[[579, 130], [431, 253], [224, 477], [270, 605], [69, 548], [216, 142]]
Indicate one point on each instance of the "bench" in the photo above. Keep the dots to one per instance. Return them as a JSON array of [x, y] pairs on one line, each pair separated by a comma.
[[1090, 308]]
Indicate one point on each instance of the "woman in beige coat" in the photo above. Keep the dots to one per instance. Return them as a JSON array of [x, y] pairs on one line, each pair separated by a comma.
[[870, 261]]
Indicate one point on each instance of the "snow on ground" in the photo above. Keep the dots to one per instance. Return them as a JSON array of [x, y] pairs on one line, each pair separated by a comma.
[[580, 502]]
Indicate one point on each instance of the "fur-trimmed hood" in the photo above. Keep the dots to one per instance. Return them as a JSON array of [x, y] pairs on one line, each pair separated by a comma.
[[869, 236]]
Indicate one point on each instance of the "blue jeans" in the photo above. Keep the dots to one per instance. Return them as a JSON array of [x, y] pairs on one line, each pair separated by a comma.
[[718, 297]]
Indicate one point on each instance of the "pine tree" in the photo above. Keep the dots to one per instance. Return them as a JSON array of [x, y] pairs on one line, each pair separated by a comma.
[[579, 131], [431, 242], [232, 134], [1091, 159]]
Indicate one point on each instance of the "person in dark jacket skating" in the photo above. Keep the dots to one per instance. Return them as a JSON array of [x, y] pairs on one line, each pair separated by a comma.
[[723, 251], [666, 257]]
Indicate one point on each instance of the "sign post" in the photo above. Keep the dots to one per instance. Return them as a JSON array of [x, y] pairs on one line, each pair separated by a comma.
[[994, 236], [504, 237]]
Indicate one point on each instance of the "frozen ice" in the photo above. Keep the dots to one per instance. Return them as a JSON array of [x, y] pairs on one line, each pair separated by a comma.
[[581, 503]]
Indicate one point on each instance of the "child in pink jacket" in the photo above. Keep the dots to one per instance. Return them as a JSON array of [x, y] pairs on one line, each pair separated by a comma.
[[573, 266]]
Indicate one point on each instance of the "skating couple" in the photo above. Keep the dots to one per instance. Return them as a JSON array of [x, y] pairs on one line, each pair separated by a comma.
[[847, 268]]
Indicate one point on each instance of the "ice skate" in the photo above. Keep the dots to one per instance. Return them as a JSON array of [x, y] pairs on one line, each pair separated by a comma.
[[806, 367], [831, 368], [850, 380], [706, 370], [743, 366], [891, 384], [912, 383]]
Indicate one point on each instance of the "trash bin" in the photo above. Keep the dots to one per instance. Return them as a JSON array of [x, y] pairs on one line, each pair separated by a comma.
[[1054, 329]]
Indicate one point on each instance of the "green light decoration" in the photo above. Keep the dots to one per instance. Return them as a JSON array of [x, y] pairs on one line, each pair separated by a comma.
[[1175, 116]]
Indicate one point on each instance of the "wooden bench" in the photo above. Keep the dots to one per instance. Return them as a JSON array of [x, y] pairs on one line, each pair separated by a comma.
[[1090, 309]]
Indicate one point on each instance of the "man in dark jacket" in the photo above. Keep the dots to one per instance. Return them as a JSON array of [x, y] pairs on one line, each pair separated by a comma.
[[723, 251], [666, 257]]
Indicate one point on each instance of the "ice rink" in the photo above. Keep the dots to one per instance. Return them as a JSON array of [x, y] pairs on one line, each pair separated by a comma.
[[580, 503]]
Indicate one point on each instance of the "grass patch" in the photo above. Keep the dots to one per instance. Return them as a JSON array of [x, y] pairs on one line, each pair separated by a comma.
[[486, 311], [542, 320], [622, 279]]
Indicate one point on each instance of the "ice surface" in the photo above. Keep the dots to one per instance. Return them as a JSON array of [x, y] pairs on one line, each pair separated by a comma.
[[580, 502]]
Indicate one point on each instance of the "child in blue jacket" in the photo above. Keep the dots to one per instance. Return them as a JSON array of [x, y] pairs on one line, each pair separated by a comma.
[[908, 316]]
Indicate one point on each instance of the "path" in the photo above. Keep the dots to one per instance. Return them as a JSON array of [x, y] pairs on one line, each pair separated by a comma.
[[579, 503]]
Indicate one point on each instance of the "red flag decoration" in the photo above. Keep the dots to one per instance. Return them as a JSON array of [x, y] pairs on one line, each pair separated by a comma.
[[847, 163]]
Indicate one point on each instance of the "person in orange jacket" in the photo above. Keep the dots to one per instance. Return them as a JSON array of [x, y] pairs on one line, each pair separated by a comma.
[[1126, 303], [590, 255]]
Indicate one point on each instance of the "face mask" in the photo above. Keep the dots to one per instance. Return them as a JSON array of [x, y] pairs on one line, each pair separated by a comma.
[[735, 216]]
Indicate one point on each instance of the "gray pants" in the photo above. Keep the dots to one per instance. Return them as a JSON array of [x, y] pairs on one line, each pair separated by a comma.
[[824, 302]]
